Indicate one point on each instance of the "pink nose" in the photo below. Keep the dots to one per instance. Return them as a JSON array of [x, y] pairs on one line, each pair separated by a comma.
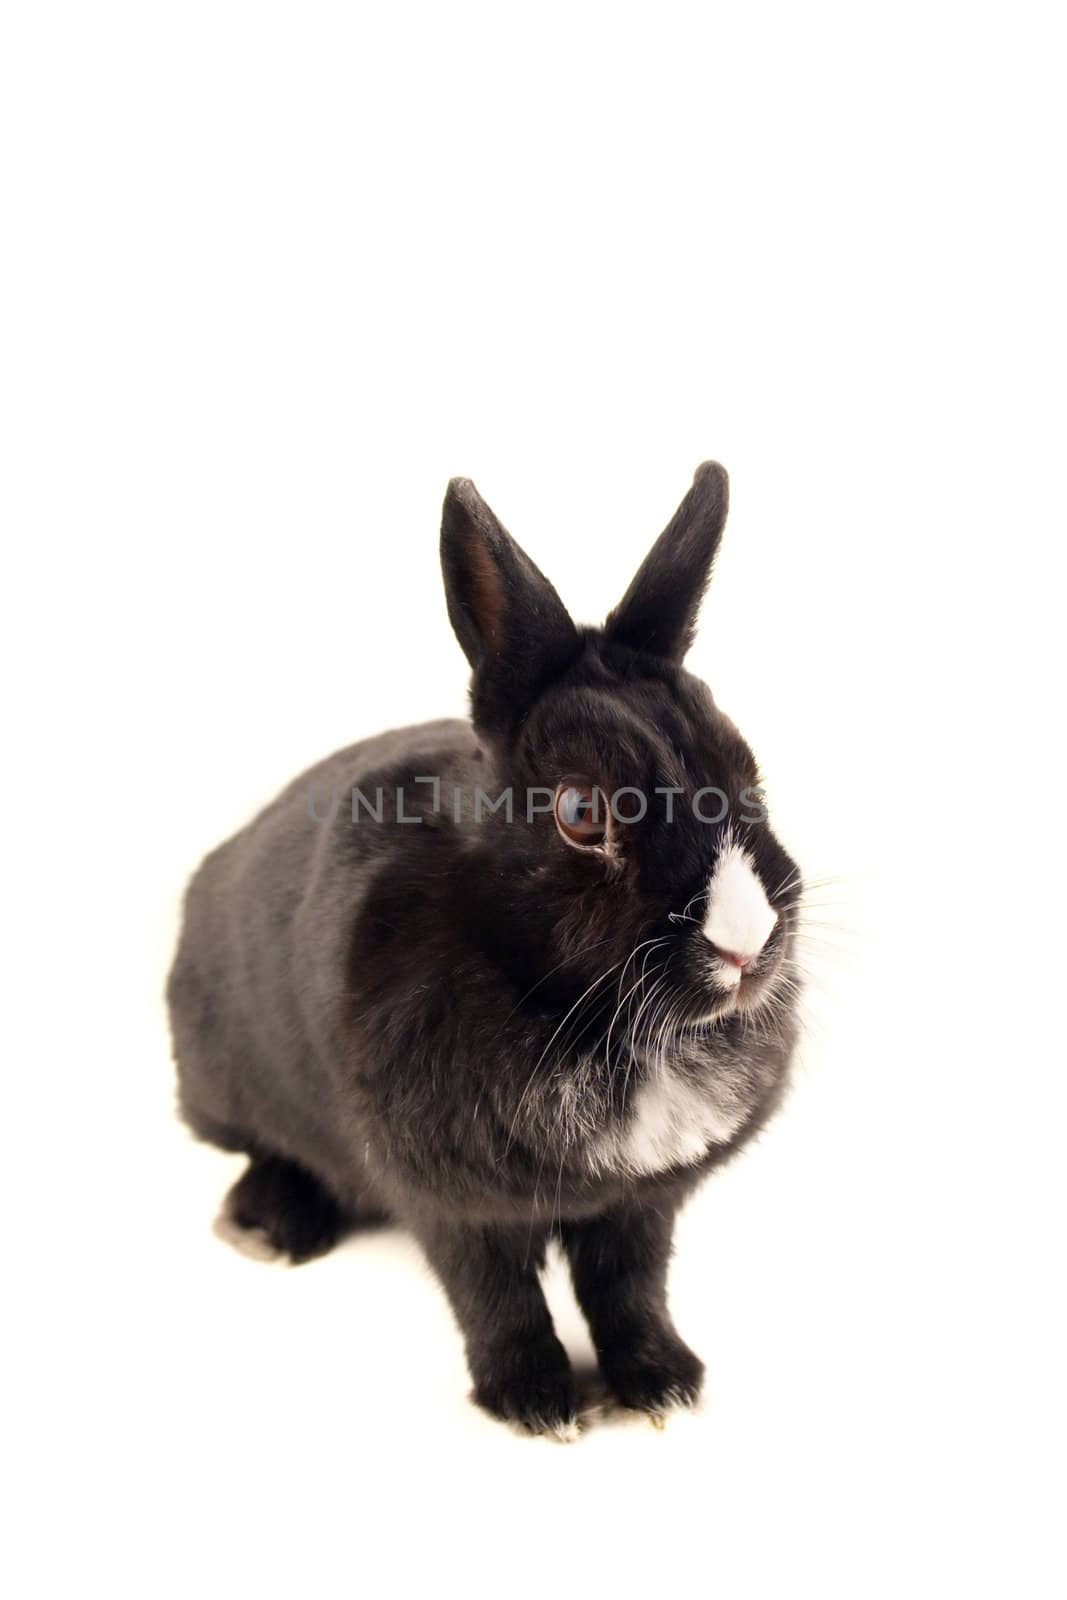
[[733, 958]]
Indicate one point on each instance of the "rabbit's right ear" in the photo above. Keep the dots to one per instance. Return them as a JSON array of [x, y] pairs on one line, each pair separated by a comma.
[[658, 612], [513, 626]]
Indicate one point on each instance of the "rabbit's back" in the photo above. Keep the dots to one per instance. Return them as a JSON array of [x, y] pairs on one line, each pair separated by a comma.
[[261, 963]]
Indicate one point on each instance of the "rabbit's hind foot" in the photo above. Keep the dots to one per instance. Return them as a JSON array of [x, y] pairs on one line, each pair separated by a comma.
[[278, 1208]]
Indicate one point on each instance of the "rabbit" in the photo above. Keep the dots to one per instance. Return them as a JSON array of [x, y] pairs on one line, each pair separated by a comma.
[[523, 978]]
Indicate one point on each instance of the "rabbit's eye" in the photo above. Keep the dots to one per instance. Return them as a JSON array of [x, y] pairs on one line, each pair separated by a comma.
[[582, 814]]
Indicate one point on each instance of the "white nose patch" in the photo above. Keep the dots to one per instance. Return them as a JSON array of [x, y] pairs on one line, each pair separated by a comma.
[[740, 917]]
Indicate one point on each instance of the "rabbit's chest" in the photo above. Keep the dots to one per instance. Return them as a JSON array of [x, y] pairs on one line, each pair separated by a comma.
[[672, 1119]]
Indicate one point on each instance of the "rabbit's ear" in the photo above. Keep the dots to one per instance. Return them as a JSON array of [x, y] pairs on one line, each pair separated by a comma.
[[658, 612], [512, 624]]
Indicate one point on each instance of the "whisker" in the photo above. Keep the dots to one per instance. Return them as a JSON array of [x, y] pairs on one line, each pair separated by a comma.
[[582, 999]]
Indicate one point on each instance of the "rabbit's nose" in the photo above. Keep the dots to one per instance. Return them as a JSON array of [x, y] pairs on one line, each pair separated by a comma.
[[733, 958]]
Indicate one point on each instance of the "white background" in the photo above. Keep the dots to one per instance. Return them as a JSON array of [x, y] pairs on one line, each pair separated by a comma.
[[271, 275]]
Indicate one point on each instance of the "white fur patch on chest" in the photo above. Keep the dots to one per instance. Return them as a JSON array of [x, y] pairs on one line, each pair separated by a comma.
[[671, 1124]]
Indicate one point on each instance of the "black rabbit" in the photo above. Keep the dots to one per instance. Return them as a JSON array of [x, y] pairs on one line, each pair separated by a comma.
[[504, 981]]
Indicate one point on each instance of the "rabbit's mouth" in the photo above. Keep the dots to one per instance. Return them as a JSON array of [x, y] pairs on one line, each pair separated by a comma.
[[749, 995], [741, 989], [756, 989]]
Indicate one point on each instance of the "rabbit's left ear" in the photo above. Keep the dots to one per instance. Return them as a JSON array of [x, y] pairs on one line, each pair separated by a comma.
[[513, 626], [658, 612]]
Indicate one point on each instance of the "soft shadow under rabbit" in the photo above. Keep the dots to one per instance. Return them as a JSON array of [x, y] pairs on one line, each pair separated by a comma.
[[524, 977]]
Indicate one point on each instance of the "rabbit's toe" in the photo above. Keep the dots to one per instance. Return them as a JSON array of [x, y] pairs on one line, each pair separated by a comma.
[[532, 1388], [656, 1374]]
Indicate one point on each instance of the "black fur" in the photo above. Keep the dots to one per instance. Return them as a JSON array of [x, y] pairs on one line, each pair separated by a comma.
[[280, 1199], [443, 1021]]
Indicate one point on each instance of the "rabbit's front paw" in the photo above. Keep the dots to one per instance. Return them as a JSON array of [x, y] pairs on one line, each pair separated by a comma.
[[531, 1386], [653, 1371]]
